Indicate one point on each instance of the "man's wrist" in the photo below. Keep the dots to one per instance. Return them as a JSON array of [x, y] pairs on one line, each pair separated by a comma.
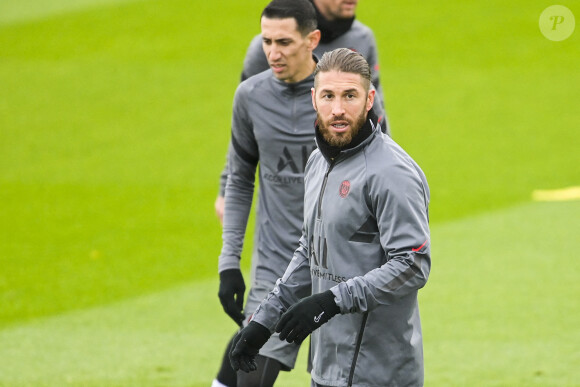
[[328, 303], [228, 272], [259, 333], [228, 262]]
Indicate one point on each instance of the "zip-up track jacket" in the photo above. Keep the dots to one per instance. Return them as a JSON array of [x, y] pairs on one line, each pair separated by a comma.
[[272, 124], [366, 238]]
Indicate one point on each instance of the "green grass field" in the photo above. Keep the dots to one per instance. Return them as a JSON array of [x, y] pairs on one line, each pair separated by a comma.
[[114, 122]]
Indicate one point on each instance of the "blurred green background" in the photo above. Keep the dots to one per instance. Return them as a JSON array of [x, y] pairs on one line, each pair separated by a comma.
[[114, 122]]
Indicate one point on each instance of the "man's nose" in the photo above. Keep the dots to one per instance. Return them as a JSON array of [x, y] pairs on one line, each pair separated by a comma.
[[274, 52], [337, 108]]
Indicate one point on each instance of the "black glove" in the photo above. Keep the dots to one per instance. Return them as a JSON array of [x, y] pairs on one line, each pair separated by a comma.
[[231, 294], [306, 315], [246, 345]]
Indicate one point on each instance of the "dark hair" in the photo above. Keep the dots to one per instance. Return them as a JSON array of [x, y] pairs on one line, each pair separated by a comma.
[[346, 61], [300, 10]]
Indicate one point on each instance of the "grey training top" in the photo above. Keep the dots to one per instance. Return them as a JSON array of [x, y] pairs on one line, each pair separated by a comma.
[[273, 124], [366, 238]]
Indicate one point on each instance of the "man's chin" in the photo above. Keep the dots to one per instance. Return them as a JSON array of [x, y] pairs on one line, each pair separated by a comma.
[[281, 75], [337, 139]]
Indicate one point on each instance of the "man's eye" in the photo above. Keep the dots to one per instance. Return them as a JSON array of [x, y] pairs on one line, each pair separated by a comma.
[[350, 96], [267, 42]]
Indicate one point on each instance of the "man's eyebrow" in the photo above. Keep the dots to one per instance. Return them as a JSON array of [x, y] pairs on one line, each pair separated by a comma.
[[347, 91], [279, 40]]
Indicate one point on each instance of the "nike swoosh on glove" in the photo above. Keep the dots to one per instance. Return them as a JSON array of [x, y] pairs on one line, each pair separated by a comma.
[[246, 345], [307, 315], [231, 294]]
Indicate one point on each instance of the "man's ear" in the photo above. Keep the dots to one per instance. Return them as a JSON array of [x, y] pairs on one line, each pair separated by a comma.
[[370, 99], [313, 93], [313, 39]]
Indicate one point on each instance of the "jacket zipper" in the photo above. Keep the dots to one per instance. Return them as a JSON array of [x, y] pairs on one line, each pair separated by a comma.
[[357, 348], [322, 189]]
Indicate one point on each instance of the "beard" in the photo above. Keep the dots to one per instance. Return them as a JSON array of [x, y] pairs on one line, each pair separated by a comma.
[[341, 139]]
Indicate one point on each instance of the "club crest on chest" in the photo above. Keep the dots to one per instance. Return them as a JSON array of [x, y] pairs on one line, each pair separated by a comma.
[[344, 189]]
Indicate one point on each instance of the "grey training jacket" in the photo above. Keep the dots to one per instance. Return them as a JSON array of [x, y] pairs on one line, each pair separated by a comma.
[[366, 238], [272, 124]]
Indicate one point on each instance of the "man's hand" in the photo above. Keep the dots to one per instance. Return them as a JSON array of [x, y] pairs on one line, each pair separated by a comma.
[[302, 318], [246, 345], [219, 208], [231, 294]]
